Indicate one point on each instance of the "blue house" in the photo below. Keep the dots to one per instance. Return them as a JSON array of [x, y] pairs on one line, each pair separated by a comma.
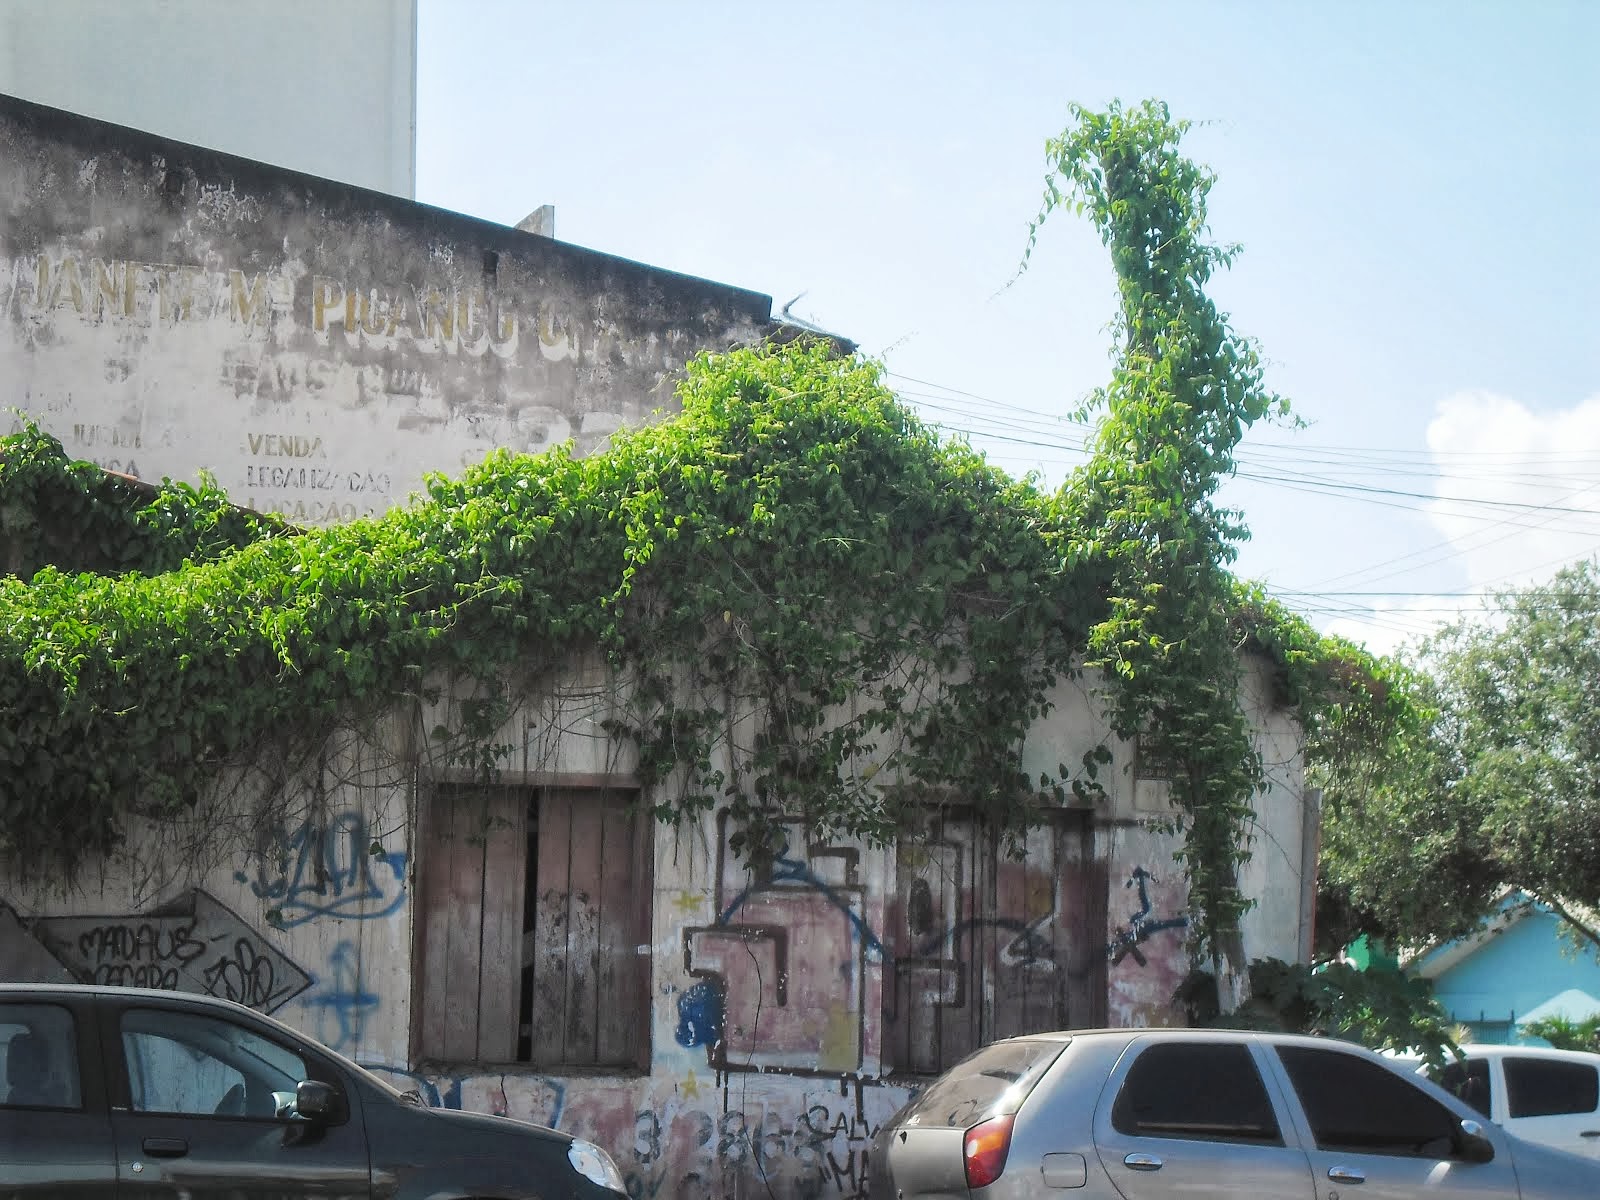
[[1518, 967]]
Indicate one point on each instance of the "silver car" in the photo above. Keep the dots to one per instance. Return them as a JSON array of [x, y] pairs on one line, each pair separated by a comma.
[[1142, 1114]]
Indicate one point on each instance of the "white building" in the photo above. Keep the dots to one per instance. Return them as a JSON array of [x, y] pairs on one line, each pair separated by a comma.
[[328, 89]]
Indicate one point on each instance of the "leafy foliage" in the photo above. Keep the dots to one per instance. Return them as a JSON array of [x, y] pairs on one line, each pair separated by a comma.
[[818, 610], [793, 544], [1495, 785], [75, 516], [1566, 1034], [1183, 391], [1382, 1009]]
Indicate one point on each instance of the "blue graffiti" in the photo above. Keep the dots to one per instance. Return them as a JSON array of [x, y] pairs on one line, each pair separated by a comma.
[[1140, 927], [700, 1015], [791, 870], [1027, 942], [343, 1002], [329, 871]]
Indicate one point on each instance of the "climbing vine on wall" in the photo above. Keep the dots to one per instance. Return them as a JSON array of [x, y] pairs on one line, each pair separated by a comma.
[[793, 565], [54, 512], [802, 591], [1184, 389]]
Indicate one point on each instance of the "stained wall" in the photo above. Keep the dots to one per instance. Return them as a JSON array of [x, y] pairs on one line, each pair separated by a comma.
[[784, 1010], [318, 348], [165, 309]]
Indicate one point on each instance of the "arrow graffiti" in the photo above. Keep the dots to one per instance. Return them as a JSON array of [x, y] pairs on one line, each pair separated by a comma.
[[195, 944]]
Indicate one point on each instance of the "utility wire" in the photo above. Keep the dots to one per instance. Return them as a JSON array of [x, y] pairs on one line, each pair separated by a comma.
[[1334, 472]]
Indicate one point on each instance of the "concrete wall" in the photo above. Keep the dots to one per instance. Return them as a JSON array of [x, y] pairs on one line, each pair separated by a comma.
[[318, 348], [329, 89], [316, 920]]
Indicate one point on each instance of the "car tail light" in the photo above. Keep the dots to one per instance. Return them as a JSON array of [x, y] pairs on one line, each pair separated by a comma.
[[984, 1148]]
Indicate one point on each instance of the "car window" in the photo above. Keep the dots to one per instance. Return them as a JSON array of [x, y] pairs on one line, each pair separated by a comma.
[[188, 1063], [1467, 1081], [1362, 1107], [993, 1081], [1546, 1087], [1206, 1090], [38, 1057]]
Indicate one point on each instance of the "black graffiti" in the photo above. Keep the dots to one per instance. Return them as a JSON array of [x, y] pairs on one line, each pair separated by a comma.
[[850, 1176], [193, 944], [1141, 926], [142, 975], [147, 943], [244, 976], [647, 1136]]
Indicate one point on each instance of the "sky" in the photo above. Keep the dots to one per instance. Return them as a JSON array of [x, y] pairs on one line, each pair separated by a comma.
[[1414, 184]]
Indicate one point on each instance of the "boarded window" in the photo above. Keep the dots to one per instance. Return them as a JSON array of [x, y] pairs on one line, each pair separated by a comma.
[[535, 928], [985, 944]]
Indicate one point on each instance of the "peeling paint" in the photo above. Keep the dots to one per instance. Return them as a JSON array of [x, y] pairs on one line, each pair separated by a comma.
[[201, 304]]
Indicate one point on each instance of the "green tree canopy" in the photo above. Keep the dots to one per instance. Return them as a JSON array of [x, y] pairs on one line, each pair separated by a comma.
[[1498, 786]]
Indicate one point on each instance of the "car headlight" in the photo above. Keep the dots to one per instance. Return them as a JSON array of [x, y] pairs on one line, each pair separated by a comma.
[[595, 1165]]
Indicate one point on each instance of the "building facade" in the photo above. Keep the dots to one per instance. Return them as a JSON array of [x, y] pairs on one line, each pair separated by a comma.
[[316, 347], [538, 946], [326, 89], [541, 948]]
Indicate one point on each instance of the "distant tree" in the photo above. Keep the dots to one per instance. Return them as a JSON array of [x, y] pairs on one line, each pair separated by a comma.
[[1380, 1007], [1497, 786], [1566, 1034]]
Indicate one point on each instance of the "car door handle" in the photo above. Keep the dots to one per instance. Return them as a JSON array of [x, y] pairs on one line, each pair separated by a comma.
[[1346, 1175], [166, 1147], [1590, 1133], [1142, 1162]]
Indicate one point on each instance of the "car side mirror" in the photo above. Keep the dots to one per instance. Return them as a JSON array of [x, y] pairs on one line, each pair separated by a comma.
[[314, 1100], [1472, 1144]]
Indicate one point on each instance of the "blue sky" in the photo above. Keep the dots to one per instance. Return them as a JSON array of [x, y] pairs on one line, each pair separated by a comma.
[[1413, 183]]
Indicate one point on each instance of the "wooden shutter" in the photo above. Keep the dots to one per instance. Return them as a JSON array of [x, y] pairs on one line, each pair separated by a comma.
[[986, 946], [472, 875], [591, 916]]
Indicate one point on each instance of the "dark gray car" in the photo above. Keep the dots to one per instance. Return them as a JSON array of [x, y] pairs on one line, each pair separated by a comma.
[[135, 1094], [1139, 1114]]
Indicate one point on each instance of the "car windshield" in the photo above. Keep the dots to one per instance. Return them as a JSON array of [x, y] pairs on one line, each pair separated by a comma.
[[991, 1082]]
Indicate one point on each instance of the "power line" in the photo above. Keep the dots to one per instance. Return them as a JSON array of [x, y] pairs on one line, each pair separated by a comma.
[[1333, 472]]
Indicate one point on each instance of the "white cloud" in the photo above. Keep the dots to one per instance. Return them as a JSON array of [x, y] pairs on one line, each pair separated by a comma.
[[1543, 466], [1539, 473]]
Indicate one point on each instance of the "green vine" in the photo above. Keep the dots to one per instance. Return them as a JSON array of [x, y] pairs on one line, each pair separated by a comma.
[[793, 546], [816, 610], [1183, 391], [75, 516]]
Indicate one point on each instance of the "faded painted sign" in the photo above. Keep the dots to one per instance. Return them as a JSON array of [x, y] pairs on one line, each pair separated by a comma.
[[166, 310]]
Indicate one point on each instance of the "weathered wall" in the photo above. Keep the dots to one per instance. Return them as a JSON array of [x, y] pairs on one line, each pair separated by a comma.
[[806, 971], [325, 88], [318, 348]]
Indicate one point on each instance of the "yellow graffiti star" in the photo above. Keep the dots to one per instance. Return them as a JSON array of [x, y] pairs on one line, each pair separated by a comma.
[[689, 901]]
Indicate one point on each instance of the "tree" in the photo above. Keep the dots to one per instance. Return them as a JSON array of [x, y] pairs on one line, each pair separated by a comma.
[[1566, 1034], [1498, 787]]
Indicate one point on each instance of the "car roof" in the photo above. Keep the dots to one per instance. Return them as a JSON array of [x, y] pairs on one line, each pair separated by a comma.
[[1178, 1033], [1500, 1050], [42, 991]]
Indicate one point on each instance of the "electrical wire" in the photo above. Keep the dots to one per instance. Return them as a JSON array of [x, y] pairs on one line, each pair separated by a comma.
[[1542, 492]]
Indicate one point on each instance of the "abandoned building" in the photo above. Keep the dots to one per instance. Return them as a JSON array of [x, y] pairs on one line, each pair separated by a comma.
[[539, 946]]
